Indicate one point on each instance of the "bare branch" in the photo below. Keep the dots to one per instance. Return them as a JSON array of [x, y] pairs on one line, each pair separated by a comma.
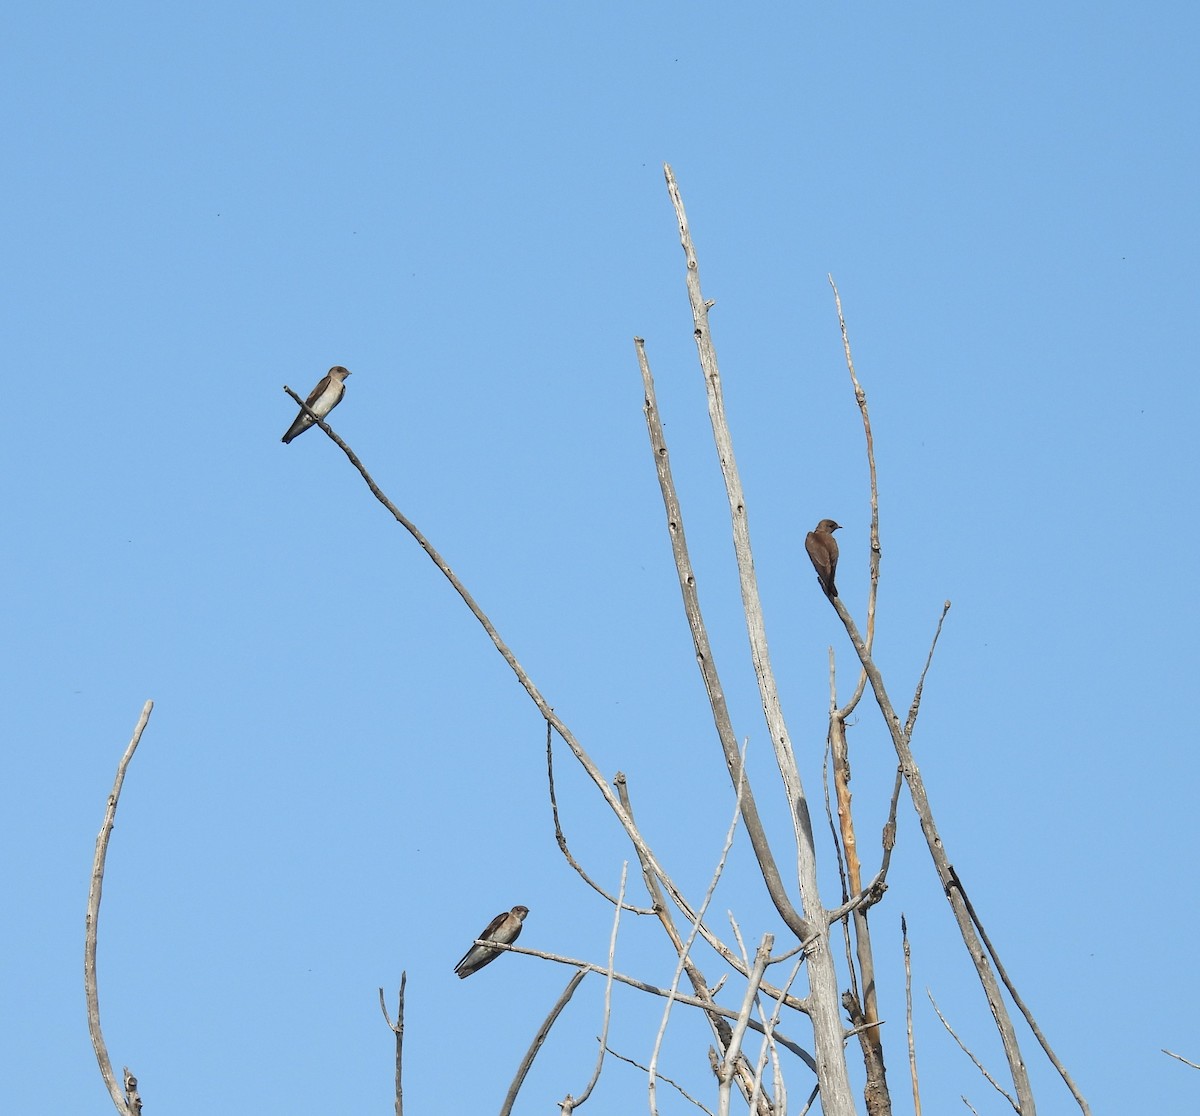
[[561, 838], [704, 655], [398, 1029], [652, 876], [662, 1077], [978, 1064], [739, 1028], [908, 1018], [687, 945], [945, 870], [860, 397], [538, 1039], [128, 1103], [654, 990], [916, 701], [1012, 991], [836, 1097], [570, 1104], [1180, 1057], [526, 682]]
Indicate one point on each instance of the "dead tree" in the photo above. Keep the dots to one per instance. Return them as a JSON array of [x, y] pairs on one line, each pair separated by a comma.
[[822, 975]]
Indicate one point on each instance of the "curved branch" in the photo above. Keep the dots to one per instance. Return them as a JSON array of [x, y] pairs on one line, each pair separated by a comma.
[[535, 695], [561, 837], [538, 1039], [127, 1102]]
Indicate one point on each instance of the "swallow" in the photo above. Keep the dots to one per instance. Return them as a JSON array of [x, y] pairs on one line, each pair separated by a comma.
[[823, 550], [504, 928], [322, 399]]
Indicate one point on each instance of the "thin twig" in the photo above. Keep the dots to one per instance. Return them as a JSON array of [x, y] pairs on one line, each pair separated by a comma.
[[720, 1028], [561, 837], [916, 701], [570, 1104], [908, 1018], [398, 1029], [691, 938], [539, 1038], [127, 1103], [1021, 1006], [722, 1031], [653, 878], [978, 1064], [662, 1077], [860, 397], [1172, 1054]]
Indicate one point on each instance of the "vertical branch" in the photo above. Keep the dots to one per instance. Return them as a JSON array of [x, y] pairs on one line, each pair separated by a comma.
[[127, 1103], [834, 1079], [733, 1054], [398, 1029], [860, 397], [570, 1104], [705, 660], [908, 1019], [876, 1089], [748, 581]]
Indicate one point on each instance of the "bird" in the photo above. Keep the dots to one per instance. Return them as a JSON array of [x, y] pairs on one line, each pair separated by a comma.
[[322, 399], [823, 550], [504, 928]]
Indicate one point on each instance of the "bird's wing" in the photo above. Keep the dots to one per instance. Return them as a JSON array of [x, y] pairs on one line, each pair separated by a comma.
[[316, 392]]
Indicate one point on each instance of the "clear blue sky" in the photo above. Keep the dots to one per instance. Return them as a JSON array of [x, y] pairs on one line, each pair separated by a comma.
[[464, 205]]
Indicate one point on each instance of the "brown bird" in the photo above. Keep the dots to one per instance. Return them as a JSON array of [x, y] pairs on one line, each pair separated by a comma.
[[504, 928], [822, 549], [322, 399]]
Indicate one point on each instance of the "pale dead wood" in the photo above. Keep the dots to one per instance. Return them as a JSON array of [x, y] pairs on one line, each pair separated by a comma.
[[945, 870], [769, 1048], [685, 952], [1016, 996], [561, 837], [522, 676], [1180, 1057], [570, 1104], [397, 1029], [128, 1102], [662, 1077], [704, 655], [722, 1031], [908, 1019], [132, 1096], [967, 1051], [538, 1039], [860, 397], [655, 990], [836, 1097], [732, 1055]]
